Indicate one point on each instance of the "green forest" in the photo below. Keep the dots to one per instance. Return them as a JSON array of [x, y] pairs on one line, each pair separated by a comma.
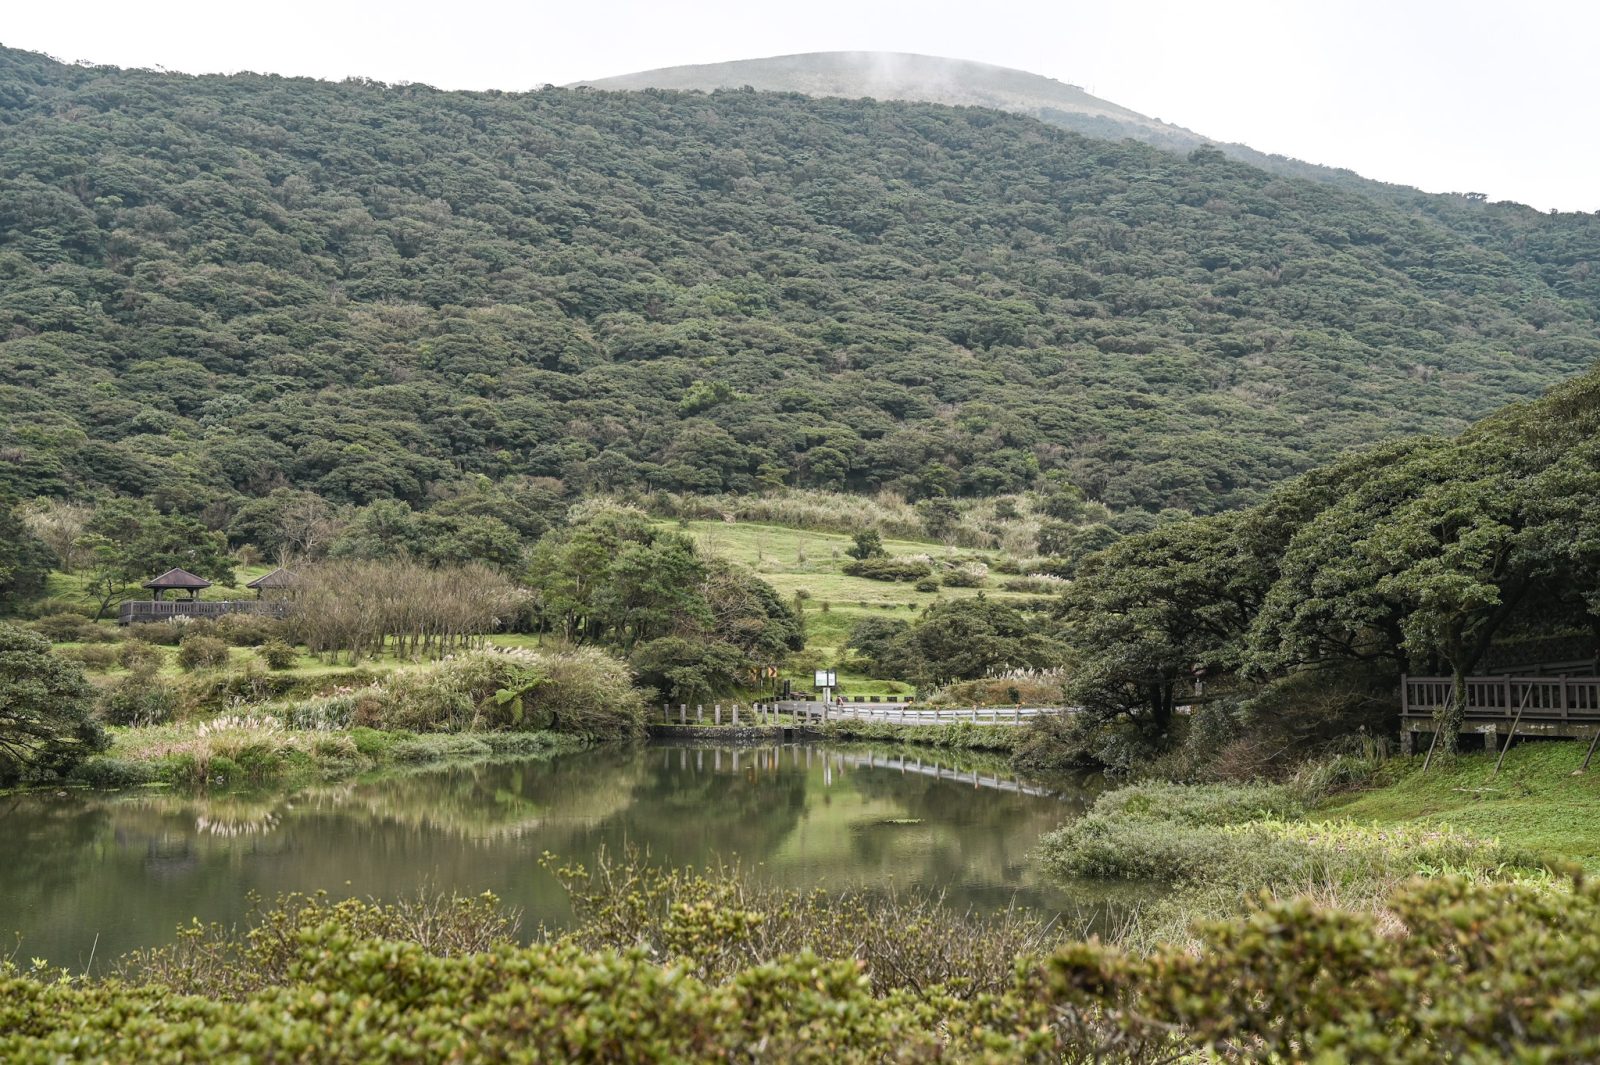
[[217, 288]]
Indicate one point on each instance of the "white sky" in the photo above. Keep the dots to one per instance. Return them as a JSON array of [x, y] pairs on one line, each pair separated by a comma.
[[1459, 96]]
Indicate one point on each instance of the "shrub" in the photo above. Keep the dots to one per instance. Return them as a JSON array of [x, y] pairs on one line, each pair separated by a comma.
[[1035, 584], [224, 963], [687, 967], [967, 575], [41, 608], [137, 654], [65, 628], [927, 584], [720, 921], [202, 652], [173, 631], [889, 569], [277, 654], [248, 630], [103, 772], [96, 658], [141, 699], [583, 691]]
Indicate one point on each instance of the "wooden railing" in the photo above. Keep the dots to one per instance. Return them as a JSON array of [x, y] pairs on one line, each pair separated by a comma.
[[816, 712], [1538, 699], [161, 610]]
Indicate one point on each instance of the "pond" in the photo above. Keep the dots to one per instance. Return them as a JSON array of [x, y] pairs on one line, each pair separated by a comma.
[[99, 874]]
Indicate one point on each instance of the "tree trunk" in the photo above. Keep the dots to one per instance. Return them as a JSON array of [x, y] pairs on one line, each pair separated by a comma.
[[1449, 718]]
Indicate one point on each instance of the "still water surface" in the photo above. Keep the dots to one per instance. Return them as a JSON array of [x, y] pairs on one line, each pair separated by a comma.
[[109, 872]]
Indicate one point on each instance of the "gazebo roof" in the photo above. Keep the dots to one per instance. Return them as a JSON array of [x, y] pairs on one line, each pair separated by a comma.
[[278, 578], [178, 578]]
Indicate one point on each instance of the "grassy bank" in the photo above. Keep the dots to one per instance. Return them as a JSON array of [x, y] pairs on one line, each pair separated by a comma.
[[1217, 845], [1535, 802], [257, 749]]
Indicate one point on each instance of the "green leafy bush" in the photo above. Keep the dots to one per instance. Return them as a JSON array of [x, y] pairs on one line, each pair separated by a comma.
[[679, 966], [140, 699], [277, 654], [96, 658], [66, 628], [202, 652], [248, 630], [908, 570], [137, 653], [101, 771]]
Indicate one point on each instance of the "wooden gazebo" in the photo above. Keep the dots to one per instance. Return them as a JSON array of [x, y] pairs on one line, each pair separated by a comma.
[[177, 580], [280, 582]]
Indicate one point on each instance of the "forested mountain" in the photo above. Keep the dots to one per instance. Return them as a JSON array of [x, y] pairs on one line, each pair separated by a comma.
[[1561, 246], [212, 287]]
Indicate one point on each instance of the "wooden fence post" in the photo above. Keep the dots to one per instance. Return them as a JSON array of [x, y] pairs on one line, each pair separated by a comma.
[[699, 714], [716, 718], [683, 714], [735, 715]]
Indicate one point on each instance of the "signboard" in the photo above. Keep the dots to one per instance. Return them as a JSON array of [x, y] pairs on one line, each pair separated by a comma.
[[826, 678]]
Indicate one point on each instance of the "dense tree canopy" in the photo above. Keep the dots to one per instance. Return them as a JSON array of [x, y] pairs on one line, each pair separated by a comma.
[[693, 625], [1422, 555], [219, 289]]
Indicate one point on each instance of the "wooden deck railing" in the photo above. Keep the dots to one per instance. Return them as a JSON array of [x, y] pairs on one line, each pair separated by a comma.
[[162, 610], [1539, 699]]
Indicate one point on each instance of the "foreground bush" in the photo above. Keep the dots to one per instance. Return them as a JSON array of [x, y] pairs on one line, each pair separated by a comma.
[[722, 922], [1473, 972]]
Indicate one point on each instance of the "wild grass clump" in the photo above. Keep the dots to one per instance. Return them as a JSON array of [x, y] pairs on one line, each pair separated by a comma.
[[722, 920], [230, 963], [94, 658], [580, 690]]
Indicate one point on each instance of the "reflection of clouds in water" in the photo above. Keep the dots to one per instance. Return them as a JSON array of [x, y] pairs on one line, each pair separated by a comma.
[[235, 826]]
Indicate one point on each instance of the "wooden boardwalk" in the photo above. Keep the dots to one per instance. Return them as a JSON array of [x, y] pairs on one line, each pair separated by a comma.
[[884, 713], [805, 755]]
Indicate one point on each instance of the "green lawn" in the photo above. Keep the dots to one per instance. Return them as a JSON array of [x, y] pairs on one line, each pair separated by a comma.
[[1536, 801], [802, 561]]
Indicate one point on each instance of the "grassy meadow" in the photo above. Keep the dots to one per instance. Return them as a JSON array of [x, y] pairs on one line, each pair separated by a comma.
[[810, 564]]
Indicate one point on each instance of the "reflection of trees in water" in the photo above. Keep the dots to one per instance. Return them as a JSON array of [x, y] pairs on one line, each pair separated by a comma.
[[50, 845], [691, 805], [133, 867], [488, 800], [973, 841]]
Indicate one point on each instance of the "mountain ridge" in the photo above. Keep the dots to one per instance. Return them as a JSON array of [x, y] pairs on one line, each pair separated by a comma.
[[217, 288]]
